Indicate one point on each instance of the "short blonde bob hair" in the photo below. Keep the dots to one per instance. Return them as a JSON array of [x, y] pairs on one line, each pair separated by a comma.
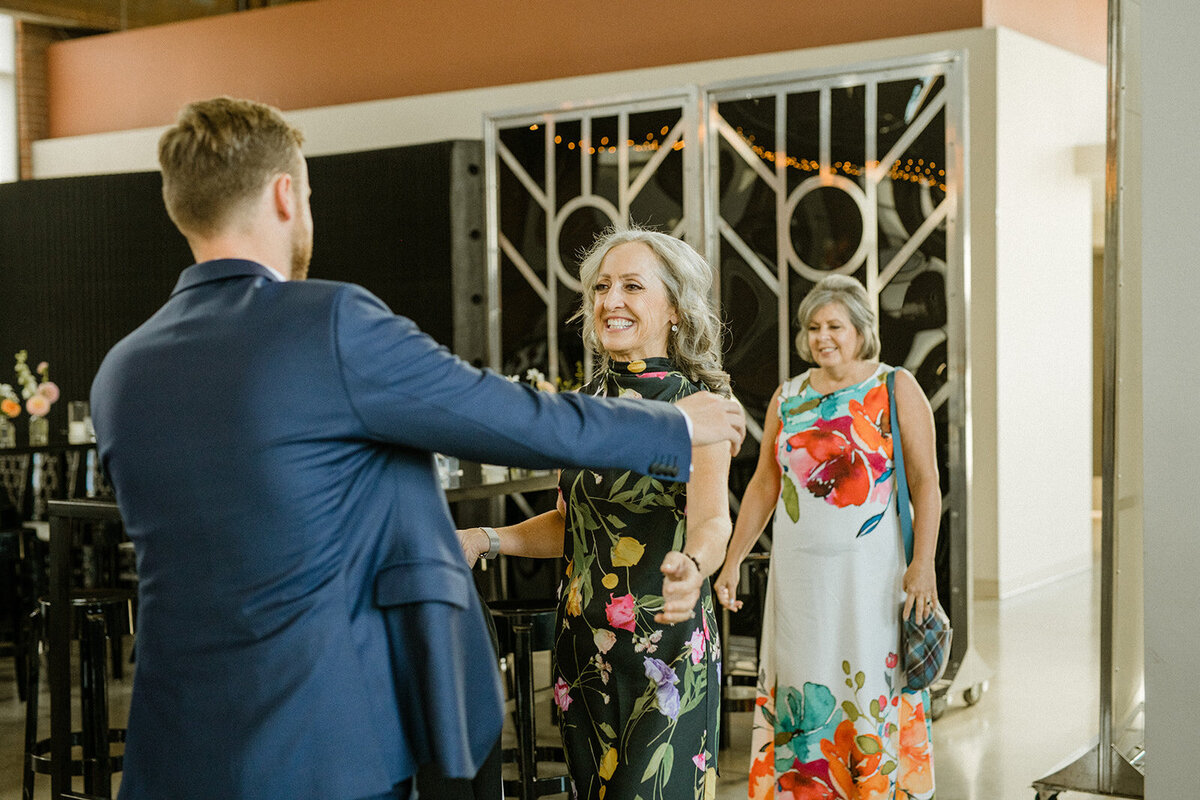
[[851, 295], [696, 346]]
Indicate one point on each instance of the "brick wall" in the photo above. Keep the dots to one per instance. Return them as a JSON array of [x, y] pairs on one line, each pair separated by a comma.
[[32, 119]]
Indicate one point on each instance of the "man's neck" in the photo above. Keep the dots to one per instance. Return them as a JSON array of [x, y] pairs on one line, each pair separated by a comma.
[[235, 247]]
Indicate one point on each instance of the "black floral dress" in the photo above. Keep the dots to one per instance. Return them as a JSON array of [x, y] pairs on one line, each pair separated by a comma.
[[639, 700]]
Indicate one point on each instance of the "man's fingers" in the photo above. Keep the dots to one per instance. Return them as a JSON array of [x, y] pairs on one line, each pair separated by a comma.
[[714, 419], [739, 426]]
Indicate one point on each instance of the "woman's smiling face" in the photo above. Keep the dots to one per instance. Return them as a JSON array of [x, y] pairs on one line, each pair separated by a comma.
[[832, 337], [633, 313]]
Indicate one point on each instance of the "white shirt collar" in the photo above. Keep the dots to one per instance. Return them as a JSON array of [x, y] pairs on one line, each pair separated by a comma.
[[278, 275]]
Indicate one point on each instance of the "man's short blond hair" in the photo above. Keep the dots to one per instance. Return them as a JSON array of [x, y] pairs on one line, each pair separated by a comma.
[[218, 156]]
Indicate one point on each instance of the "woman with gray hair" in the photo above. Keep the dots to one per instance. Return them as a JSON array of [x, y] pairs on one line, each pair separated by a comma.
[[833, 718], [636, 667]]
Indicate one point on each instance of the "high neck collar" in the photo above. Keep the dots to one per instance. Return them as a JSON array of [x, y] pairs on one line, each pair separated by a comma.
[[641, 366]]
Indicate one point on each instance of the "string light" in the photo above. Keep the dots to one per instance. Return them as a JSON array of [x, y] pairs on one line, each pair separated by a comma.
[[918, 172], [910, 170]]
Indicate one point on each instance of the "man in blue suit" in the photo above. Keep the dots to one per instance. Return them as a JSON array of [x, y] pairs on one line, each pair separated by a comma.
[[308, 626]]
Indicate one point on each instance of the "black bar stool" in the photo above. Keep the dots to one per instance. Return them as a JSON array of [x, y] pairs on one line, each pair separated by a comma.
[[98, 613], [15, 572], [524, 627]]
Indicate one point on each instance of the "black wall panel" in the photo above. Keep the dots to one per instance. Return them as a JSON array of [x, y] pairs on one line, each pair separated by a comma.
[[84, 261]]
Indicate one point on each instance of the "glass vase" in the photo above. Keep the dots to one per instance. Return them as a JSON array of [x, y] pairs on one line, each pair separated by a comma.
[[8, 433], [39, 432]]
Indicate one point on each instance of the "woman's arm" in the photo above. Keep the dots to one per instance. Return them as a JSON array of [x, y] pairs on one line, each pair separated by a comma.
[[536, 537], [920, 465], [707, 534], [758, 504]]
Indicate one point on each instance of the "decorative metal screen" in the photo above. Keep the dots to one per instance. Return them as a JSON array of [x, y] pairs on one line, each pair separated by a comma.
[[779, 182], [858, 173], [555, 180]]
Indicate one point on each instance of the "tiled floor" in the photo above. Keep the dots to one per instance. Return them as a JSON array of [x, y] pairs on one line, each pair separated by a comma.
[[1040, 651]]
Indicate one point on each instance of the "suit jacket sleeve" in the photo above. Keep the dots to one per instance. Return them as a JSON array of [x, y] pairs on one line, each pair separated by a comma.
[[407, 389]]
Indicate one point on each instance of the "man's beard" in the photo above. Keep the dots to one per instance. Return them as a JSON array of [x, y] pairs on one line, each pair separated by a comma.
[[301, 256]]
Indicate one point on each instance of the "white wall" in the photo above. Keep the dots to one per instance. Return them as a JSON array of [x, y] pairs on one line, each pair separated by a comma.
[[1168, 111], [1049, 103]]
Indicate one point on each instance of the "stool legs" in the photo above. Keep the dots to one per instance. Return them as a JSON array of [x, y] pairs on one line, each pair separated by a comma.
[[97, 769], [526, 723], [527, 627], [94, 738], [32, 675]]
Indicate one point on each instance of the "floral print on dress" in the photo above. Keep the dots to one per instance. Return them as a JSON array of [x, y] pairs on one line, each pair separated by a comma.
[[638, 717], [832, 720], [844, 455], [820, 749]]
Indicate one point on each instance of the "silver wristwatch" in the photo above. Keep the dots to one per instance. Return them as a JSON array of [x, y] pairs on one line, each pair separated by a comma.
[[493, 542]]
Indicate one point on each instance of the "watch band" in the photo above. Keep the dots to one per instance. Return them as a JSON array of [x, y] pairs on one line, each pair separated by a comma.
[[493, 542]]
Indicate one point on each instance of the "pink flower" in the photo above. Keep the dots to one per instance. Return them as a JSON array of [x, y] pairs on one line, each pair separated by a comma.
[[49, 390], [696, 643], [659, 375], [700, 760], [892, 660], [621, 614], [42, 366], [562, 694], [37, 406]]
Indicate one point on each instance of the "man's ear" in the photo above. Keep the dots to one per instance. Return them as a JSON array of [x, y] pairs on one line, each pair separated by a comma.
[[283, 196]]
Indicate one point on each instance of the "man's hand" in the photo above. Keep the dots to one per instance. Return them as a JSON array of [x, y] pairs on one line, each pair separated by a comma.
[[715, 419]]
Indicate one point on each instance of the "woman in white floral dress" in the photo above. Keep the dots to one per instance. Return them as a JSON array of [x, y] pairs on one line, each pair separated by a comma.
[[833, 719]]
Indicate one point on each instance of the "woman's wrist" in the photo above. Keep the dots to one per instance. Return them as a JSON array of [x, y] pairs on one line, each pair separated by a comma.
[[695, 561], [491, 547]]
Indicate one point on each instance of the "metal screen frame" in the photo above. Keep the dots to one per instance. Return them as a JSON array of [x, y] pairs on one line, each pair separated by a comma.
[[685, 100], [701, 225], [952, 211]]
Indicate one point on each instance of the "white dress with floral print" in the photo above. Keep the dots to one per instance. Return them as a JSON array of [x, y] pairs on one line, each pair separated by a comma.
[[832, 720]]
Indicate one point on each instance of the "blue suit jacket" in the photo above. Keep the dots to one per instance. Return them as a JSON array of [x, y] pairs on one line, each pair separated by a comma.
[[308, 626]]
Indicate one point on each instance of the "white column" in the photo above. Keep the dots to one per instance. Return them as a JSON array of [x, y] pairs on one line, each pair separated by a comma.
[[1169, 117]]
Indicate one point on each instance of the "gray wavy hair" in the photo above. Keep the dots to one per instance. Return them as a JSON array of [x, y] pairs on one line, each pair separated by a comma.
[[850, 294], [696, 346]]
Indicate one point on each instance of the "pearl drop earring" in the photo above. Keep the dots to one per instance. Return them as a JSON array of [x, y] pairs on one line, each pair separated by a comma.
[[674, 328]]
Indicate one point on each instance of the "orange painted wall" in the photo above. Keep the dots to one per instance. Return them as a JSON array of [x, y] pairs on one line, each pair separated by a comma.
[[330, 52], [1080, 26]]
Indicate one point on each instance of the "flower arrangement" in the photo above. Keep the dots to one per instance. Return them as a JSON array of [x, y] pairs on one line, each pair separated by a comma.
[[10, 403], [536, 378], [38, 392]]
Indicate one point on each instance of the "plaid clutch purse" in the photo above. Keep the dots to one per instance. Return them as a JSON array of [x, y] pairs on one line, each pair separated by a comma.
[[926, 642], [926, 648]]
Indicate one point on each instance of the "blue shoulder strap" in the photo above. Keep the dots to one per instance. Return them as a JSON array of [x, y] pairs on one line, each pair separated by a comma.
[[902, 501]]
